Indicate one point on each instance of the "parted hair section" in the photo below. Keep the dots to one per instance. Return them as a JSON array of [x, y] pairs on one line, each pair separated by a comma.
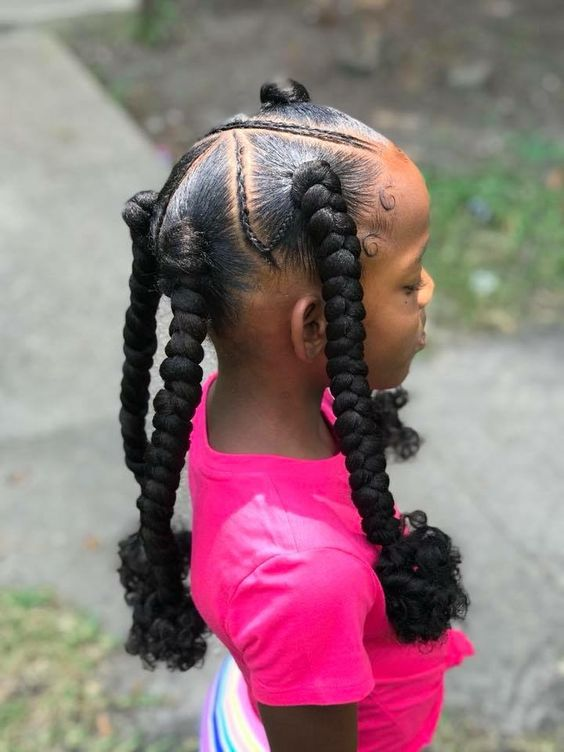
[[284, 187]]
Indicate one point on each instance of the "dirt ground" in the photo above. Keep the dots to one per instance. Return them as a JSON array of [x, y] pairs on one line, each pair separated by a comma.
[[449, 80]]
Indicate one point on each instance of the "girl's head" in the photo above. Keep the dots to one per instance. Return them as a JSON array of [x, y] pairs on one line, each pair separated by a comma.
[[238, 194], [293, 237]]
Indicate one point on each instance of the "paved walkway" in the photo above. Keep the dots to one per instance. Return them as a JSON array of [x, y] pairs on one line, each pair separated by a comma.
[[492, 410], [69, 159], [31, 12]]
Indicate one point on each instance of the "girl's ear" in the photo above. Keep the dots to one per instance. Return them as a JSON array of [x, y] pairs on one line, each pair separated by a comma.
[[308, 327]]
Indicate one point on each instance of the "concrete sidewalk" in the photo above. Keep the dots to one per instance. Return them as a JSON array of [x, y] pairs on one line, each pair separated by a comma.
[[31, 12], [491, 409], [69, 160]]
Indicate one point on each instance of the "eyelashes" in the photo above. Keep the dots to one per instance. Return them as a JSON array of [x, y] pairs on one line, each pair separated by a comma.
[[414, 288]]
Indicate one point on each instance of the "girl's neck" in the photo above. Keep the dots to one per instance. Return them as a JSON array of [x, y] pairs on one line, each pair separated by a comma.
[[250, 415]]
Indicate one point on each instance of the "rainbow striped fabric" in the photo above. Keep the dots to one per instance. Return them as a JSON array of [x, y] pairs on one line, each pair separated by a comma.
[[228, 722]]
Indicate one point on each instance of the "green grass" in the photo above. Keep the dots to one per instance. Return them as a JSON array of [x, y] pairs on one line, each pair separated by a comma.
[[50, 697], [536, 149], [497, 240], [151, 30], [157, 26]]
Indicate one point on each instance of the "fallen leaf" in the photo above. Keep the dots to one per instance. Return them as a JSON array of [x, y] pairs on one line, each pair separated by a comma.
[[17, 476], [103, 724], [91, 542], [554, 179]]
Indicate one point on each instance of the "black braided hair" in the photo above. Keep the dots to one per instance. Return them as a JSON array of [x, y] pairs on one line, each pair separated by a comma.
[[139, 332], [189, 244], [154, 560], [419, 572]]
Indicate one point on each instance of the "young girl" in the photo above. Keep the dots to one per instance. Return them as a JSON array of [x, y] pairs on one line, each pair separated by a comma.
[[294, 238]]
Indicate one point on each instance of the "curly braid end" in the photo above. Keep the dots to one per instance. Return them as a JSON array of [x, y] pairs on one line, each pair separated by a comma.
[[404, 441]]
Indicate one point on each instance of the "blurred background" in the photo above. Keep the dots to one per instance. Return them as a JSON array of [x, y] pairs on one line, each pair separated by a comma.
[[98, 99]]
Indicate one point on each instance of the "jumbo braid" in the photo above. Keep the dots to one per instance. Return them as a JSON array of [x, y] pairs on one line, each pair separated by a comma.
[[418, 570], [139, 332], [166, 624]]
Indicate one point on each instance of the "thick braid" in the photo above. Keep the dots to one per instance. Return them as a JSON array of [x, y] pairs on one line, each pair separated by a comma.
[[418, 571], [333, 231], [139, 332], [166, 624]]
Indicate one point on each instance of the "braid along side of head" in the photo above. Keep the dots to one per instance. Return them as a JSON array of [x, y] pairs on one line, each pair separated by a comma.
[[418, 570], [139, 332], [155, 560]]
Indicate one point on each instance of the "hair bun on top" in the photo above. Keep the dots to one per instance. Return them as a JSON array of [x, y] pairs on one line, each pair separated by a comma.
[[286, 92]]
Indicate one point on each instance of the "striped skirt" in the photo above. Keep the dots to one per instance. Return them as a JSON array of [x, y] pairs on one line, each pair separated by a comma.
[[228, 722]]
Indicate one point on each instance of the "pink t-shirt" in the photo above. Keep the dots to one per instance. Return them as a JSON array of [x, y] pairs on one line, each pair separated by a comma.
[[282, 573]]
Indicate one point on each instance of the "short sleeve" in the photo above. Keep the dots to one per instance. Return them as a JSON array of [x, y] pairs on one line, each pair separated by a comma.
[[298, 622]]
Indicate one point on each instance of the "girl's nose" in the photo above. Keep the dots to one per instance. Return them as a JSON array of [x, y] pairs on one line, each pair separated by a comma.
[[428, 288]]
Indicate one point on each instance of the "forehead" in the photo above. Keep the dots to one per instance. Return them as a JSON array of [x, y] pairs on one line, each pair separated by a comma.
[[399, 211]]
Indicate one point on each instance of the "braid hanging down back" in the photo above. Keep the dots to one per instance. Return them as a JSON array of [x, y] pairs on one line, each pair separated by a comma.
[[202, 241], [139, 332], [154, 560]]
